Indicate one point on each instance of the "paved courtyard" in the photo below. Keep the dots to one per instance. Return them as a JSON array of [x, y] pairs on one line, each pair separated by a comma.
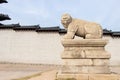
[[9, 71]]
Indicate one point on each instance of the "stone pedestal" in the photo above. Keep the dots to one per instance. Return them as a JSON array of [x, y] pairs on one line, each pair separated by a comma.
[[88, 77], [85, 58]]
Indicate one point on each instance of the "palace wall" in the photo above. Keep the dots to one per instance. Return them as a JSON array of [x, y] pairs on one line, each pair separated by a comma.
[[42, 47]]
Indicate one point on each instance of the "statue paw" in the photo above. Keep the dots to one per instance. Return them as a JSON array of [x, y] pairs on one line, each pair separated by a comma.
[[67, 36]]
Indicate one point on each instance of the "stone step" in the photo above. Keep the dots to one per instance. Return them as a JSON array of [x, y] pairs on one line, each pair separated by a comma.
[[86, 62], [88, 77], [85, 69], [85, 54]]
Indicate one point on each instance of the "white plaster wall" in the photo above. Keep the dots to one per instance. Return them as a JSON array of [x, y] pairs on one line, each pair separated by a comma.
[[41, 47], [113, 47], [30, 47]]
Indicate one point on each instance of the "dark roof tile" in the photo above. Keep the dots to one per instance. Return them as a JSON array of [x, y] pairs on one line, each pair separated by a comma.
[[4, 17], [56, 28], [37, 28], [3, 1], [33, 27]]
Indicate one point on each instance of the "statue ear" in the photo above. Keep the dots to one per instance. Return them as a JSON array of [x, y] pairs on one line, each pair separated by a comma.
[[70, 19]]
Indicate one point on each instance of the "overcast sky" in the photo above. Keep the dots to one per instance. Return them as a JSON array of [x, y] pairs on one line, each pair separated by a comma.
[[47, 13]]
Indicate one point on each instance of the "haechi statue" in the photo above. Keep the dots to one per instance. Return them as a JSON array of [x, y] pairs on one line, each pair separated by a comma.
[[81, 28], [84, 58]]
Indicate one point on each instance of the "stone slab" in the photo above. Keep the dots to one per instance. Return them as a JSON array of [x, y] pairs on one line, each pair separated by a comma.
[[99, 69], [84, 42], [85, 69], [76, 54], [97, 54], [101, 62], [85, 54], [104, 77], [88, 76], [72, 77], [74, 69], [69, 48], [83, 62]]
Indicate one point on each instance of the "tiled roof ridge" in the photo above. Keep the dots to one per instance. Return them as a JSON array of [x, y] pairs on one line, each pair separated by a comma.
[[37, 28]]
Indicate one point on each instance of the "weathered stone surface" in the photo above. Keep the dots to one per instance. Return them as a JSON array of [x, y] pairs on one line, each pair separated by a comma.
[[67, 48], [85, 69], [77, 54], [82, 62], [88, 77], [74, 69], [82, 54], [85, 56], [104, 77], [72, 77], [99, 69], [84, 43], [101, 62], [84, 49], [85, 29], [97, 54]]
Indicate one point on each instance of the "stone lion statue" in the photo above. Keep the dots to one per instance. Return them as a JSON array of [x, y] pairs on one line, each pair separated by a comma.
[[81, 28]]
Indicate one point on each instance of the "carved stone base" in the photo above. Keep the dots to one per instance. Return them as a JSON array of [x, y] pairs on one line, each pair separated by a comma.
[[85, 59], [85, 49], [85, 69], [85, 56], [86, 62], [88, 77]]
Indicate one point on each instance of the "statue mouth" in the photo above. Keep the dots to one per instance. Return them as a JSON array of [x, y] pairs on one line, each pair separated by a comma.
[[64, 22]]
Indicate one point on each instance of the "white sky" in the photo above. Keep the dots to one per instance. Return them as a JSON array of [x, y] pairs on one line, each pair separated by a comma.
[[47, 13]]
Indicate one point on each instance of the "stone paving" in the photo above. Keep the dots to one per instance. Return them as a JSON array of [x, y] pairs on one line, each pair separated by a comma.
[[15, 71], [9, 75]]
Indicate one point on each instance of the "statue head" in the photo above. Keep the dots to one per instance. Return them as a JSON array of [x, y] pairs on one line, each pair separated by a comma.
[[66, 20]]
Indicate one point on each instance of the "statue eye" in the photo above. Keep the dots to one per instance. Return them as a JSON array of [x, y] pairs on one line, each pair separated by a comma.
[[64, 18]]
